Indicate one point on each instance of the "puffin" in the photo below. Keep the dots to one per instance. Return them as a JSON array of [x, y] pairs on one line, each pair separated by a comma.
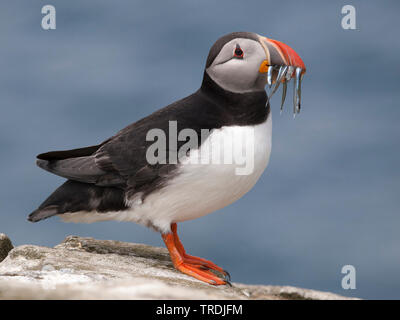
[[167, 167]]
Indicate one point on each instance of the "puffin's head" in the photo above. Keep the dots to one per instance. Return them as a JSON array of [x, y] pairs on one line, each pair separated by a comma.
[[245, 62]]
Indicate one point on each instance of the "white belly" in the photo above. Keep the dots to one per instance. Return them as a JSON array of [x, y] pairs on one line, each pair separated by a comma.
[[199, 188]]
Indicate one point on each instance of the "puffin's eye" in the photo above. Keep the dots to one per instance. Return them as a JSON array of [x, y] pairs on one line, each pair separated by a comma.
[[238, 53]]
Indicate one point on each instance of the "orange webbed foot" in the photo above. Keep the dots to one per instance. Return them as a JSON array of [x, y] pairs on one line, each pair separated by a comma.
[[196, 267], [205, 264]]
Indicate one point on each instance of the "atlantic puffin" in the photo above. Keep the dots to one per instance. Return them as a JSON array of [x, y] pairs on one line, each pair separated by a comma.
[[117, 180]]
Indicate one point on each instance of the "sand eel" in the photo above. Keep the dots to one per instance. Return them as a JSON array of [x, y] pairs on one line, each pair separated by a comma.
[[133, 177]]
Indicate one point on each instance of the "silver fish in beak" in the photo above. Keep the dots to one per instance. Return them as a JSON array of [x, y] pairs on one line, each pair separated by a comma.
[[282, 65]]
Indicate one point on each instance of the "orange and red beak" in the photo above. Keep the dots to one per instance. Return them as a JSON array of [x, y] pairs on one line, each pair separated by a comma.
[[282, 64]]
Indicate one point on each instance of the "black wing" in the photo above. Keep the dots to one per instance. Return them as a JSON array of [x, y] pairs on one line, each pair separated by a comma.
[[76, 164], [121, 160]]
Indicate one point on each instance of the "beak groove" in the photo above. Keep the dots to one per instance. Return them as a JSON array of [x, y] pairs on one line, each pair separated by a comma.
[[283, 64]]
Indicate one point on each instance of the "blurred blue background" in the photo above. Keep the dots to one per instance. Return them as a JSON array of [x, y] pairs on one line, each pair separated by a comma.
[[330, 195]]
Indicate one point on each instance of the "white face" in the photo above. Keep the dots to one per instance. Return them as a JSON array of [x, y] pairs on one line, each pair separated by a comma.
[[239, 74]]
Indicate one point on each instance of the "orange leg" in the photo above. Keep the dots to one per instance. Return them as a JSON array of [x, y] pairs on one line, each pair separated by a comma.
[[196, 260], [193, 266]]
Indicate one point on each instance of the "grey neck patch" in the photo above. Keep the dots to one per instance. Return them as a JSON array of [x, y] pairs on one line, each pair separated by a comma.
[[258, 84]]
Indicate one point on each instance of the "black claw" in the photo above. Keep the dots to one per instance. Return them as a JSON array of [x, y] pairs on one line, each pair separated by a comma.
[[228, 283], [227, 275]]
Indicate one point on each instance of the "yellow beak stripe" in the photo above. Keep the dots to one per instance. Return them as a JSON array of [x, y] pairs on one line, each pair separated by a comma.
[[264, 66]]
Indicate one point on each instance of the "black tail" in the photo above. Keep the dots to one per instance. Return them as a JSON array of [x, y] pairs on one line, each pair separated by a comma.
[[75, 196]]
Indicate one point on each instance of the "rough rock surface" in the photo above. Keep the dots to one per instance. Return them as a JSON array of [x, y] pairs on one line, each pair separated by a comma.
[[5, 246], [85, 268]]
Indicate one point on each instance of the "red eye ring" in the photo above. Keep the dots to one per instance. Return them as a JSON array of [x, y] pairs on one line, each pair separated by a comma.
[[238, 53]]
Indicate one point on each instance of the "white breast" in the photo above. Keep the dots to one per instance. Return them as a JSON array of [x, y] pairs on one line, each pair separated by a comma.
[[203, 186]]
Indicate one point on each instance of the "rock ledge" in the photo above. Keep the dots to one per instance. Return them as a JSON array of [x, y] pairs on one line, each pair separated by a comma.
[[85, 268]]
